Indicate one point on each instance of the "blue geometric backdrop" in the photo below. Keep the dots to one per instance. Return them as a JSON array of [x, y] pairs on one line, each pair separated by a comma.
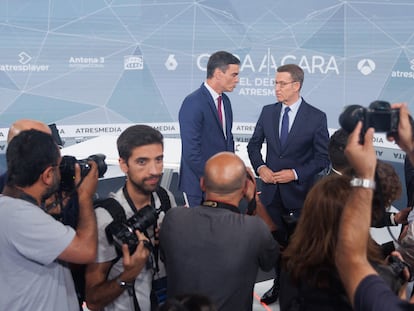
[[85, 62]]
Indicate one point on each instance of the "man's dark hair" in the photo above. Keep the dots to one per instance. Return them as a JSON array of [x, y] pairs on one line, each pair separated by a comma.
[[28, 155], [221, 60], [137, 136], [295, 71], [336, 149]]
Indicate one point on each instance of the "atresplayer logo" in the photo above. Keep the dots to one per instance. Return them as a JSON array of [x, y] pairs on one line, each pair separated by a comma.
[[24, 58], [24, 65]]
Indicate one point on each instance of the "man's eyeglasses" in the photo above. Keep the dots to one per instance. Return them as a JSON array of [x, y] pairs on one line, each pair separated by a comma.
[[282, 84]]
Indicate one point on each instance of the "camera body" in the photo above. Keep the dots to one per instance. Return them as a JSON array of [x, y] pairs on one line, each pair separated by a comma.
[[398, 266], [378, 115], [121, 232], [67, 169]]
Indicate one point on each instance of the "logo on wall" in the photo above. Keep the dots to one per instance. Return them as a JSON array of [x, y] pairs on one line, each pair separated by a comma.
[[404, 74], [366, 66], [133, 62], [24, 58], [24, 65], [171, 62], [86, 62]]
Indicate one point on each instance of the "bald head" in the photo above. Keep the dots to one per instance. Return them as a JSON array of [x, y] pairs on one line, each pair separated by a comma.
[[27, 124], [224, 174]]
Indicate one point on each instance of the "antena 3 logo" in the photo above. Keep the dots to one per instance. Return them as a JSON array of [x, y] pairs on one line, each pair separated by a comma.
[[24, 59], [86, 62]]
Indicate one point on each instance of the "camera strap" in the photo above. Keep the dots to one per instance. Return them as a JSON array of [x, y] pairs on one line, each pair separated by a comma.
[[131, 293], [129, 200], [19, 194], [221, 205]]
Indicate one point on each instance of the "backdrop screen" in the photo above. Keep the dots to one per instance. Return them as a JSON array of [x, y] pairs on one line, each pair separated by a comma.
[[94, 66]]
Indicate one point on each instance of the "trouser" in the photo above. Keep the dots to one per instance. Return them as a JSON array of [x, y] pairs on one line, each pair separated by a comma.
[[285, 221], [284, 218]]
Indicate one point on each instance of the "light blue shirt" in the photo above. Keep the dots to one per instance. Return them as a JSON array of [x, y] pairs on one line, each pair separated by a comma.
[[292, 113]]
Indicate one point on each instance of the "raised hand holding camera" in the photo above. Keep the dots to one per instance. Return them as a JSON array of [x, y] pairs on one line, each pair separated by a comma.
[[67, 170], [134, 263], [362, 156]]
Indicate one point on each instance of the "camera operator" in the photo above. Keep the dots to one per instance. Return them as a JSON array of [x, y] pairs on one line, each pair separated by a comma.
[[213, 249], [124, 282], [366, 290], [34, 246]]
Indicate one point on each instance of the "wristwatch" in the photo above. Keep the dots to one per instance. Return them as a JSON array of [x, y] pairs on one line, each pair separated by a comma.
[[124, 284], [363, 183]]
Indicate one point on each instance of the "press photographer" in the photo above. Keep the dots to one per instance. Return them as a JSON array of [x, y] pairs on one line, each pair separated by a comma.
[[131, 218], [366, 290], [204, 245], [34, 245]]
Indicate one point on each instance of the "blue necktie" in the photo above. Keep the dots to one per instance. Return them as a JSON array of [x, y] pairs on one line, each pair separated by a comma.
[[284, 130]]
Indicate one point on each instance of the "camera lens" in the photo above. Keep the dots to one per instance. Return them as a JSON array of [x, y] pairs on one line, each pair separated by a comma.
[[350, 117], [67, 169]]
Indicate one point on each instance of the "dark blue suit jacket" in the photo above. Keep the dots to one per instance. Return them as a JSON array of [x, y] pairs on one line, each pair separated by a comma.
[[306, 151], [201, 136]]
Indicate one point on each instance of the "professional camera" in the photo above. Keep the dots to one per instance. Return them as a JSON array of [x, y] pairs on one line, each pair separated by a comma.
[[398, 266], [123, 232], [393, 273], [67, 169], [378, 115]]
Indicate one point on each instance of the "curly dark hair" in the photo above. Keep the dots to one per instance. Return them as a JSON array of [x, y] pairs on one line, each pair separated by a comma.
[[312, 246]]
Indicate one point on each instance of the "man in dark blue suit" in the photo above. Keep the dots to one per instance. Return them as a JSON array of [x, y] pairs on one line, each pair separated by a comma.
[[206, 119], [297, 139]]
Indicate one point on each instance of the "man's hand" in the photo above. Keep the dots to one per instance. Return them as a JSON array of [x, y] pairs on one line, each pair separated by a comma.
[[362, 157], [251, 185], [88, 184], [266, 174], [402, 215], [133, 264], [405, 131], [283, 176]]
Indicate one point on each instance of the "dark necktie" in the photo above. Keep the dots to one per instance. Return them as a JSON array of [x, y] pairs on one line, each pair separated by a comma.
[[220, 113], [284, 130]]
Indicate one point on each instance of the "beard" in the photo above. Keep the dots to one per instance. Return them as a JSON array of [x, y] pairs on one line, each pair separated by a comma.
[[142, 187], [52, 189]]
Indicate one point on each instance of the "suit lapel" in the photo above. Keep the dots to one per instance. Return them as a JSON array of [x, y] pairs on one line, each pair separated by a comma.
[[276, 118], [211, 103], [213, 108], [300, 120], [228, 115]]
